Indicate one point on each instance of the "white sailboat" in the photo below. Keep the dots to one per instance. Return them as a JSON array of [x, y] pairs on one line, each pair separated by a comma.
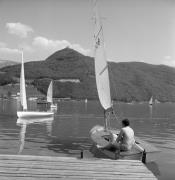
[[99, 133], [25, 113], [101, 70], [151, 101], [156, 101], [50, 96]]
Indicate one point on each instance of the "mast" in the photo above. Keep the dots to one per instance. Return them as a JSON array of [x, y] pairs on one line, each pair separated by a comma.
[[101, 67], [22, 85]]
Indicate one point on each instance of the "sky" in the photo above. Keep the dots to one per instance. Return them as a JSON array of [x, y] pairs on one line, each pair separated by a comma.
[[134, 30]]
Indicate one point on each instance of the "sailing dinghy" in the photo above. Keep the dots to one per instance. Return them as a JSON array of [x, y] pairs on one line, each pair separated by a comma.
[[151, 101], [50, 96], [25, 113], [99, 134]]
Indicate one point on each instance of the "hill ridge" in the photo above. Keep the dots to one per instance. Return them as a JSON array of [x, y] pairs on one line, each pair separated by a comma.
[[130, 81]]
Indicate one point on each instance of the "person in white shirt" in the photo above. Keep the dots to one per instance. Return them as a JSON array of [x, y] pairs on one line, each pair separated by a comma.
[[125, 139]]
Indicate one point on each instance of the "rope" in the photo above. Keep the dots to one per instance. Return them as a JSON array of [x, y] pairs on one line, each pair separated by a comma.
[[114, 87]]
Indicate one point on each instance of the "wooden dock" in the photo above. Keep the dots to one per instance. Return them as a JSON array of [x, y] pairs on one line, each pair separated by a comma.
[[23, 167]]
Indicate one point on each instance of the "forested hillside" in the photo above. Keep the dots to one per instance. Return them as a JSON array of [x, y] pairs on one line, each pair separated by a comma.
[[73, 75]]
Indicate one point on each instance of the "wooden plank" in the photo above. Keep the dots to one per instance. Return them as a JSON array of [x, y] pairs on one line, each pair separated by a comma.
[[81, 167], [45, 167], [132, 163], [56, 159], [72, 171], [68, 165], [59, 167], [81, 177], [71, 178]]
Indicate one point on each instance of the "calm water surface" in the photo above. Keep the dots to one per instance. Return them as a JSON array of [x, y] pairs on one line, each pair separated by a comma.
[[68, 132]]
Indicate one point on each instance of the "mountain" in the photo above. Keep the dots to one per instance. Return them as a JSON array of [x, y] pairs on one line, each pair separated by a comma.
[[74, 77], [4, 63]]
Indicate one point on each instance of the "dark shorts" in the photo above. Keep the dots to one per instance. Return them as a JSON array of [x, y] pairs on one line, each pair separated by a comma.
[[118, 146]]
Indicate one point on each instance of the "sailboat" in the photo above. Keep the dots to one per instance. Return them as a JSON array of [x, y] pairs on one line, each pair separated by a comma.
[[100, 134], [151, 101], [50, 96], [156, 101], [25, 113]]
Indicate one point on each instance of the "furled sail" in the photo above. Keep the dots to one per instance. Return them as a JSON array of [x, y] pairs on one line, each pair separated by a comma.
[[22, 86], [50, 92], [101, 66]]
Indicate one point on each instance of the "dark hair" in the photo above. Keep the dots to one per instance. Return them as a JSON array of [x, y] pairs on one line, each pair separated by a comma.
[[125, 122]]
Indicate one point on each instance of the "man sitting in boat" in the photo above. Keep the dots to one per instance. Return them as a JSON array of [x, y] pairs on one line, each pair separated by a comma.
[[124, 141]]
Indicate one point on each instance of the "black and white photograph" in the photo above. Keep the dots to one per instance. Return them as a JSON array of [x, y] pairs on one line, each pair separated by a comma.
[[87, 89]]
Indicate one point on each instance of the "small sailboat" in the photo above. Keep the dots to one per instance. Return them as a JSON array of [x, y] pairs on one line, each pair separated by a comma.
[[23, 100], [50, 96], [151, 101], [156, 101], [100, 134]]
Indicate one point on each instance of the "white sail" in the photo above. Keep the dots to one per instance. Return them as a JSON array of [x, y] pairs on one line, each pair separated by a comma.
[[151, 101], [101, 66], [24, 113], [50, 92], [22, 86]]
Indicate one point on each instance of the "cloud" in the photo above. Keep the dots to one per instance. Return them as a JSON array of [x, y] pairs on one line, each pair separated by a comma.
[[167, 57], [27, 48], [18, 29], [55, 45], [80, 49], [169, 61], [2, 44], [9, 54], [51, 44], [8, 50], [39, 49]]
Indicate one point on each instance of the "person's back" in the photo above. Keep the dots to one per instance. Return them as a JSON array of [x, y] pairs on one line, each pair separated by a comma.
[[127, 140], [124, 140]]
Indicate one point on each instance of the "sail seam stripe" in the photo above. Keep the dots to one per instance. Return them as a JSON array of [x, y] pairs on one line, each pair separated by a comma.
[[96, 36], [103, 70]]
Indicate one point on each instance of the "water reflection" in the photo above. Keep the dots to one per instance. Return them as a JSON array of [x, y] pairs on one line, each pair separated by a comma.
[[151, 111], [23, 123], [70, 129]]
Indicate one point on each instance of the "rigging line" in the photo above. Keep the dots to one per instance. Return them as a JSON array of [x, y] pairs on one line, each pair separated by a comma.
[[97, 35], [115, 90], [115, 115], [112, 79]]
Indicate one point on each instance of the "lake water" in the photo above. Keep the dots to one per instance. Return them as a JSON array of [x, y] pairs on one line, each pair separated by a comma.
[[68, 132]]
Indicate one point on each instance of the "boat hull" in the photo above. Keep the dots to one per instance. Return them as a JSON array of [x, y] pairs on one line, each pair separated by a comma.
[[53, 106], [133, 154], [42, 102], [33, 114], [101, 139]]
